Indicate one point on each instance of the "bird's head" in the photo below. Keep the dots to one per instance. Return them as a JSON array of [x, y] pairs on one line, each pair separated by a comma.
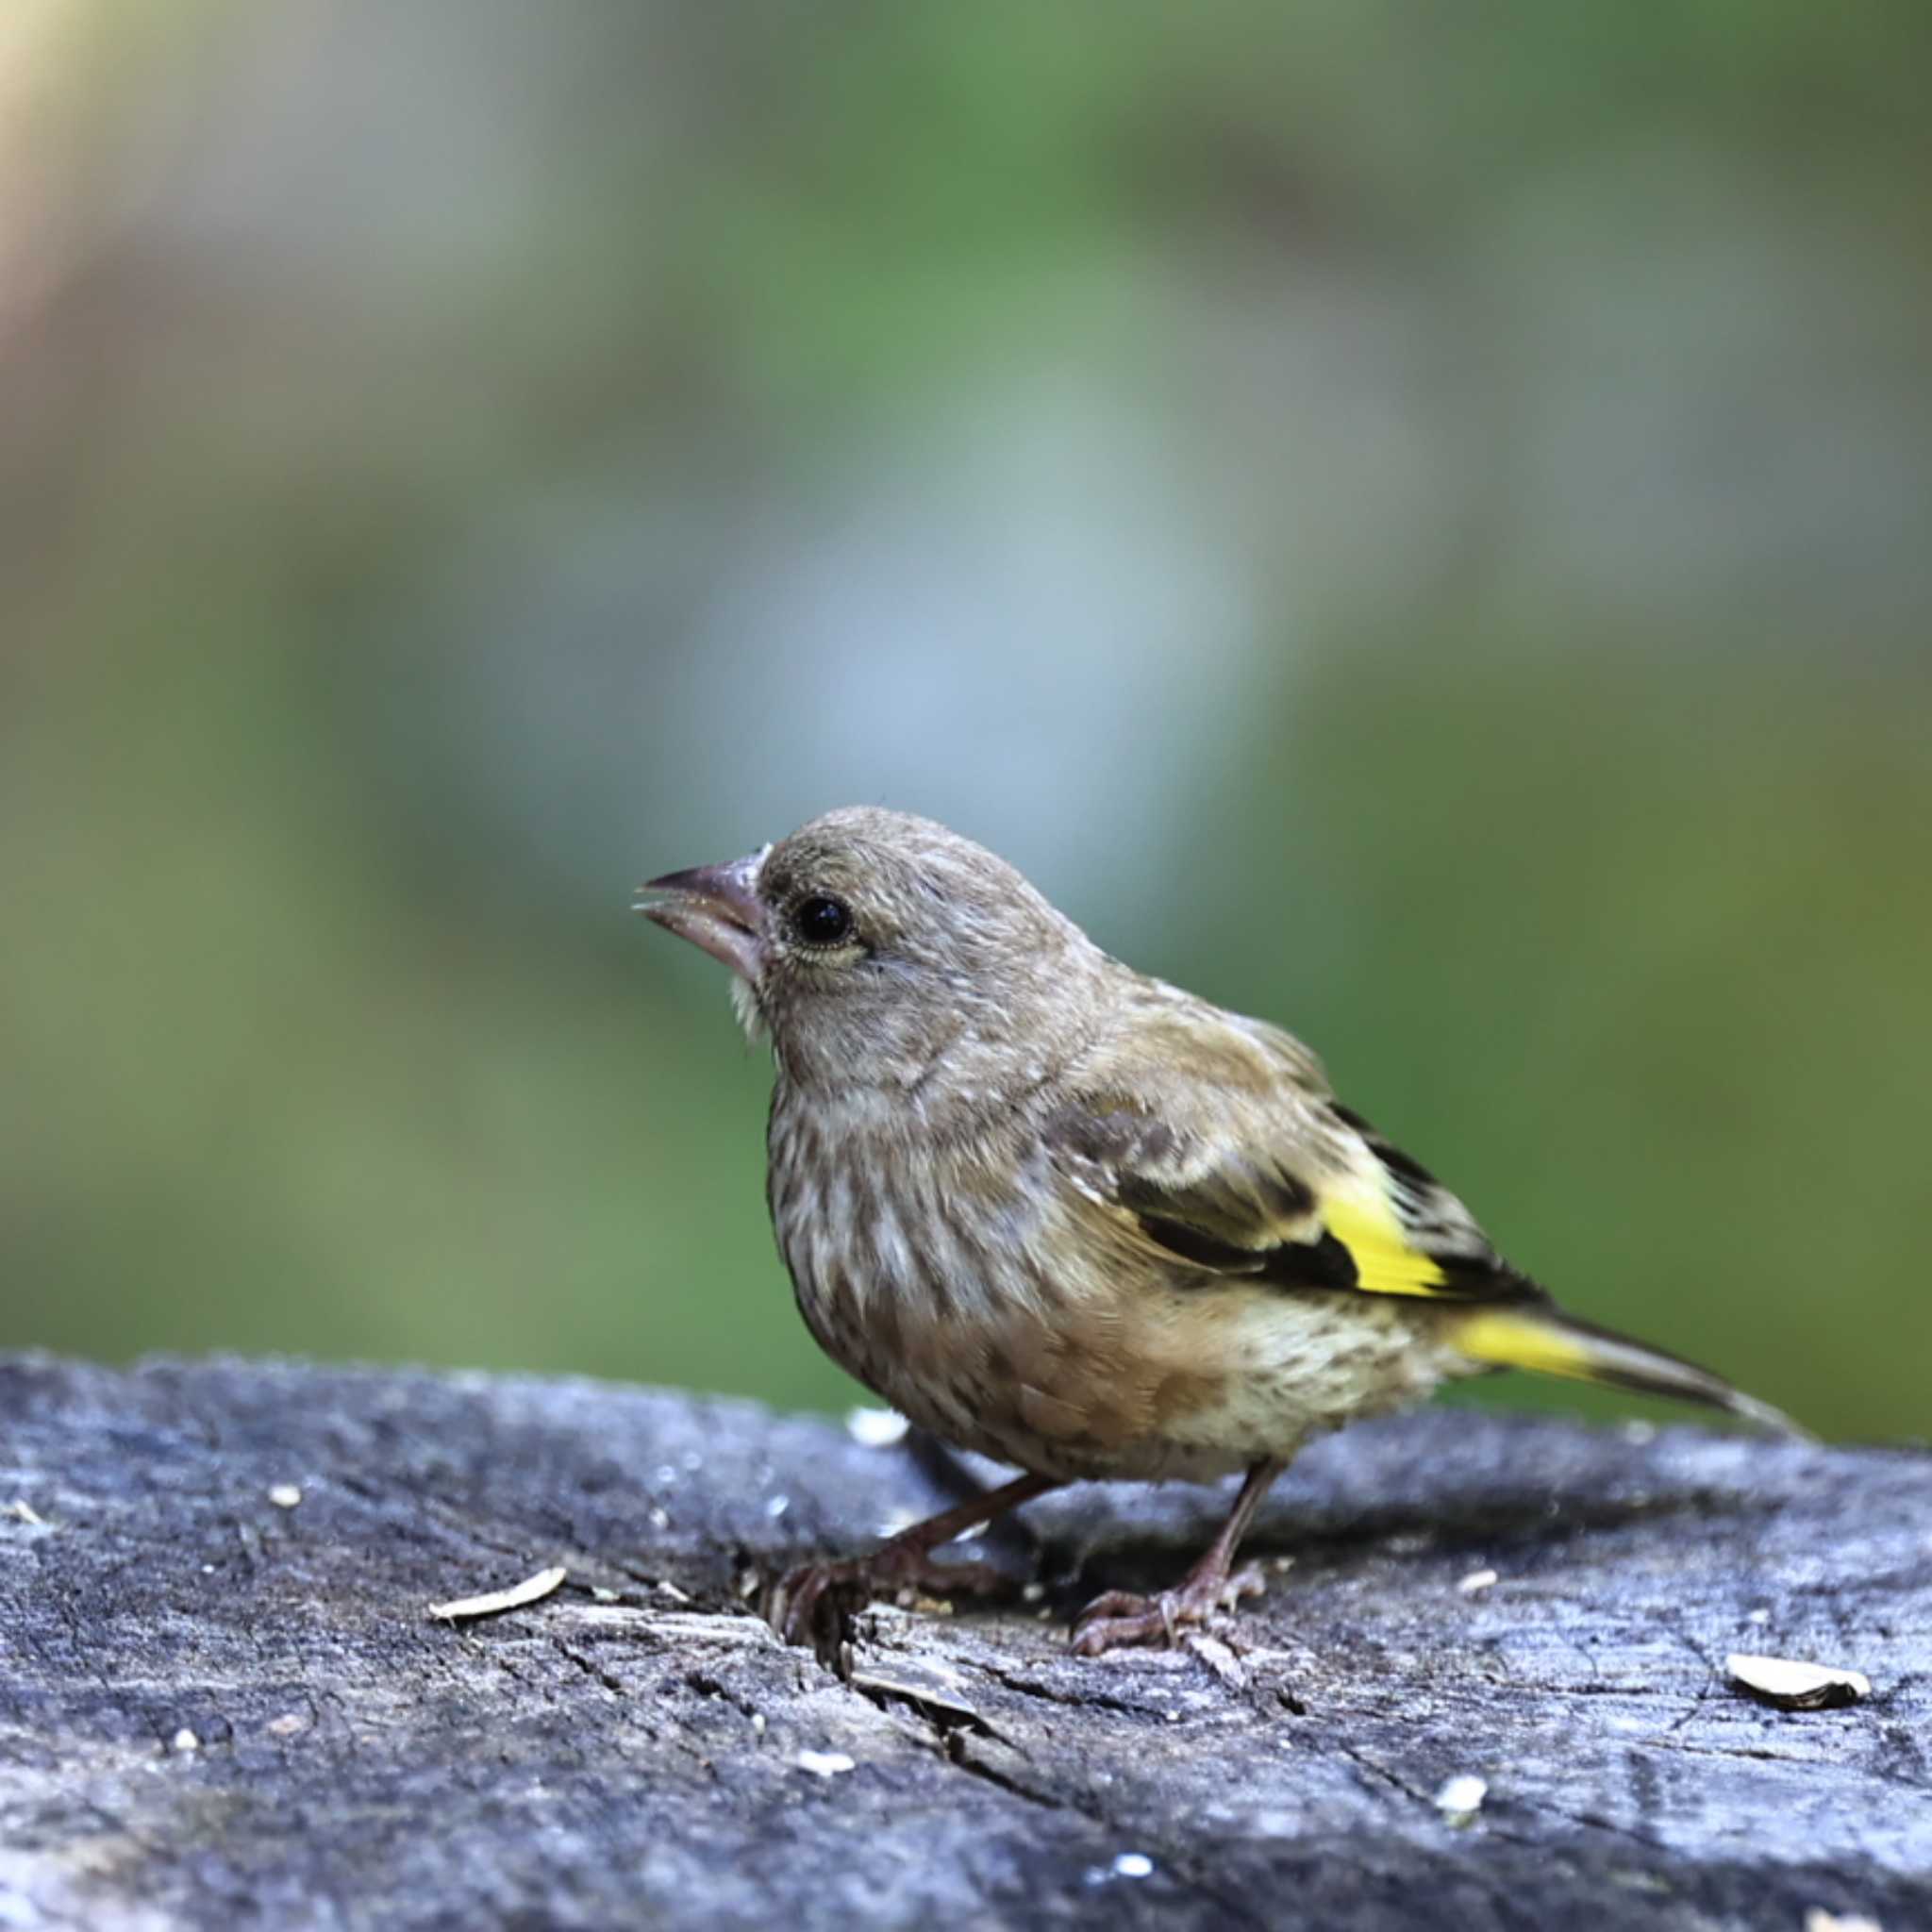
[[877, 947]]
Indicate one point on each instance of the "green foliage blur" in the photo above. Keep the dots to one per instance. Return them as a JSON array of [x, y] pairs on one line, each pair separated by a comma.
[[1413, 523]]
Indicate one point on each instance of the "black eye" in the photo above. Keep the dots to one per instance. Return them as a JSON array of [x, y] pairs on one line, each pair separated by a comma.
[[822, 921]]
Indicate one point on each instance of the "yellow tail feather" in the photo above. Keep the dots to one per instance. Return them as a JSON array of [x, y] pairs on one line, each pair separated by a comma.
[[1550, 1343]]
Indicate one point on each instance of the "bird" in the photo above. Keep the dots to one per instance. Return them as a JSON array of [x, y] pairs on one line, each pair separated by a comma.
[[1078, 1220]]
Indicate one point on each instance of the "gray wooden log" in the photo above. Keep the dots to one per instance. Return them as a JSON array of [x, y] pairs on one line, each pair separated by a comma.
[[220, 1711]]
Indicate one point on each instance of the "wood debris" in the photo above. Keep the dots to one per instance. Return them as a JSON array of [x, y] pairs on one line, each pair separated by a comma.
[[931, 1687], [1795, 1686], [531, 1591], [1461, 1798], [876, 1428]]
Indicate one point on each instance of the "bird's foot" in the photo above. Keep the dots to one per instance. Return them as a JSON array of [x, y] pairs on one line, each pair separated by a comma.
[[1121, 1618], [814, 1604]]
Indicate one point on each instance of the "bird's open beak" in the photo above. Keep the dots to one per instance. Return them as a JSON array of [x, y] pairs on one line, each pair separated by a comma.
[[715, 907]]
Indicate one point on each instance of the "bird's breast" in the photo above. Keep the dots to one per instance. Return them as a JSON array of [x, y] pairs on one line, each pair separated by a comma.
[[933, 1273], [890, 1244]]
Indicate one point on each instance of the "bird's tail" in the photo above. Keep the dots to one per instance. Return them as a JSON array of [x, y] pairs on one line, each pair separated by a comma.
[[1551, 1343]]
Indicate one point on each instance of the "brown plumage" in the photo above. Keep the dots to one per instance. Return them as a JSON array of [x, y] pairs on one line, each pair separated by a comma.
[[1076, 1219]]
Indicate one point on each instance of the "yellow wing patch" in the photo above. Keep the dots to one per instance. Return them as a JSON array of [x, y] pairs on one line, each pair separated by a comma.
[[1385, 1263]]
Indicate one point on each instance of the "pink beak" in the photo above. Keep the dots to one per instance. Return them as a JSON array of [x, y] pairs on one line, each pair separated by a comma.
[[715, 907]]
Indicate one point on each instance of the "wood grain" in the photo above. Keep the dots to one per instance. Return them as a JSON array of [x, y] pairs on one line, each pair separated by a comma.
[[220, 1711]]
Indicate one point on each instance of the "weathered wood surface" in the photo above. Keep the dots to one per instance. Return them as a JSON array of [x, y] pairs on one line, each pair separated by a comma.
[[628, 1752]]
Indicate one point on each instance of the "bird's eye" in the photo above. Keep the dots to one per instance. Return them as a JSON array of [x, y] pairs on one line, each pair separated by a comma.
[[822, 921]]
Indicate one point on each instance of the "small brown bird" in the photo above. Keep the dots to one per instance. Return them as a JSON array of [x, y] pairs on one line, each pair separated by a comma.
[[1079, 1219]]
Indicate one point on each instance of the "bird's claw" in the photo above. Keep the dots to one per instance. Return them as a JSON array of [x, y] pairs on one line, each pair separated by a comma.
[[815, 1604], [1119, 1617]]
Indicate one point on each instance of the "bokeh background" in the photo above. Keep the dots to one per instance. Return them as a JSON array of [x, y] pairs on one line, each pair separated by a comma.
[[1411, 521]]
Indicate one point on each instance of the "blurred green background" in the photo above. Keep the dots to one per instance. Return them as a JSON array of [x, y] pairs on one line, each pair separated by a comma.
[[1413, 522]]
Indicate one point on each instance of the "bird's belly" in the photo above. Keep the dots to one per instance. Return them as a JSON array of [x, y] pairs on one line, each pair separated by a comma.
[[1209, 1380], [1191, 1383], [968, 1309], [1298, 1364]]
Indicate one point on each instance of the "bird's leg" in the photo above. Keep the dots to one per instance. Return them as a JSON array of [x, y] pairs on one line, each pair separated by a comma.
[[813, 1601], [1119, 1617]]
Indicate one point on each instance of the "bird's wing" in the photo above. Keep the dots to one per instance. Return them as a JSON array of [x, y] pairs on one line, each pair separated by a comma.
[[1286, 1189], [1208, 1147]]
